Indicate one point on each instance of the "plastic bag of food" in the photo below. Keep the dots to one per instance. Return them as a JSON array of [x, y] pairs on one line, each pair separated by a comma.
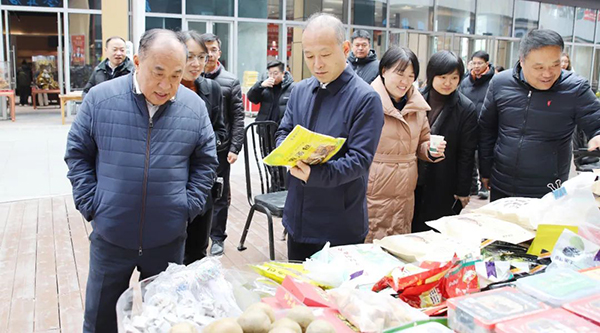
[[277, 271], [515, 210], [574, 252], [572, 205], [373, 312], [429, 246], [479, 226], [354, 265]]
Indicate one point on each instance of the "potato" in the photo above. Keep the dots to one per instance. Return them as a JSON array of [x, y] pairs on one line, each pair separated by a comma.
[[225, 325], [183, 328], [320, 326], [287, 323], [302, 315], [282, 329], [266, 308], [255, 321]]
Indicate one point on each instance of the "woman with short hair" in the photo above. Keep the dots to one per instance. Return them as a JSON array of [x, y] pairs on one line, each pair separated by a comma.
[[443, 188]]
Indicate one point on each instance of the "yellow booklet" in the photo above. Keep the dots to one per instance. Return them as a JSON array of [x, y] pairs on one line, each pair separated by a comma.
[[304, 145]]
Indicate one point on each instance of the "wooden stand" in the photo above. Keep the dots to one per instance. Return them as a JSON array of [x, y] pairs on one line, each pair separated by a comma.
[[73, 96], [35, 91], [11, 97]]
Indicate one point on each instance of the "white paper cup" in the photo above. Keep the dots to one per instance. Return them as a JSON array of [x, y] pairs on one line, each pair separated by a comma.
[[434, 142]]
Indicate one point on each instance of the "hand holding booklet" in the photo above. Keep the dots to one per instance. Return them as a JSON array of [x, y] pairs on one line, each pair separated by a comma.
[[306, 146]]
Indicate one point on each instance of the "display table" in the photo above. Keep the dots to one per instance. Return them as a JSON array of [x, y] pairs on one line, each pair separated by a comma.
[[11, 96], [64, 99], [35, 91]]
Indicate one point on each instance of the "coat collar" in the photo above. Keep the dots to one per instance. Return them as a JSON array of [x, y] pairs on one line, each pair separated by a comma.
[[336, 85], [415, 103], [451, 105]]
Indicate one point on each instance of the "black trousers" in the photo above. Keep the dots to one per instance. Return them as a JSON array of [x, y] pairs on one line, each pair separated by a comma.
[[301, 251], [221, 205], [495, 195], [111, 267], [198, 234]]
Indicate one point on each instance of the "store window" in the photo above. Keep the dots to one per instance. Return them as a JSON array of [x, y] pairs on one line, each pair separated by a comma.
[[494, 20], [263, 41], [163, 23], [585, 19], [85, 47], [300, 10], [596, 71], [85, 4], [35, 3], [406, 14], [558, 18], [212, 7], [582, 60], [369, 12], [265, 9], [527, 15], [456, 16], [163, 6]]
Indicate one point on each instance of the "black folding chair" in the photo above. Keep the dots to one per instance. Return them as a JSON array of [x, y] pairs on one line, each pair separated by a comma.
[[259, 140]]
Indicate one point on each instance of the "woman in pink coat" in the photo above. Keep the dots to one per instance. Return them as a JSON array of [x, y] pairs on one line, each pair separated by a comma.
[[405, 137]]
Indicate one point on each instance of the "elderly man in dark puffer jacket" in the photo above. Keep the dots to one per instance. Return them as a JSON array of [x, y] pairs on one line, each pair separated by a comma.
[[528, 118], [142, 160]]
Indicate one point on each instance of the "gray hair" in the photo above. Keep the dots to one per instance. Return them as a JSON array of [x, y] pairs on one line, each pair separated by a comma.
[[151, 36], [329, 21], [538, 38]]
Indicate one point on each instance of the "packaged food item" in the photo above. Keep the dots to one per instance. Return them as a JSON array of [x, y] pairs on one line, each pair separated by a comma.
[[588, 308], [514, 210], [555, 320], [574, 252], [489, 272], [558, 286], [278, 271], [482, 311], [306, 293], [373, 312], [480, 227], [428, 246], [353, 265]]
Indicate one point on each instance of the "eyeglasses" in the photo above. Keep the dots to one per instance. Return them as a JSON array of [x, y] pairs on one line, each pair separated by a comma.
[[200, 57]]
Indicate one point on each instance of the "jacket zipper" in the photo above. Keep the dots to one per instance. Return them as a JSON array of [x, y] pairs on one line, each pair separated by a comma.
[[523, 128], [145, 184]]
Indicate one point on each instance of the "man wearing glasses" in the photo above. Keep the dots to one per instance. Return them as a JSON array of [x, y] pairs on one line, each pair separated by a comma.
[[227, 152], [363, 58]]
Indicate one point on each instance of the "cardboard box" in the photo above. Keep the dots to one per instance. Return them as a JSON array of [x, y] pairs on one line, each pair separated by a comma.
[[285, 298], [307, 293]]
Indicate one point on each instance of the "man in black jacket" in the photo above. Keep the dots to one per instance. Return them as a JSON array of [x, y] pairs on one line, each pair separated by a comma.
[[474, 86], [272, 93], [116, 64], [233, 115], [528, 118], [363, 58]]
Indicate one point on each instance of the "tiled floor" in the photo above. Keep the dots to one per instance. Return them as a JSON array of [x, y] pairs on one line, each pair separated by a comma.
[[44, 250]]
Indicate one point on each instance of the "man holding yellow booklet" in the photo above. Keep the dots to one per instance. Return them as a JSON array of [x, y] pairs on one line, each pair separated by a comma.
[[327, 194]]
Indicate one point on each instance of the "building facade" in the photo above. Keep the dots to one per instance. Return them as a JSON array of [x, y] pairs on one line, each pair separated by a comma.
[[70, 33]]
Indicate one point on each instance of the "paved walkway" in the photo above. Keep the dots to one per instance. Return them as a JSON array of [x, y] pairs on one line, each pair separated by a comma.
[[44, 250]]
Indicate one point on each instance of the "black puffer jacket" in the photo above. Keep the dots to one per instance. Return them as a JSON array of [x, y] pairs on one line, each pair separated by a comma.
[[102, 73], [233, 108], [366, 68], [525, 133], [475, 89], [210, 92], [264, 96]]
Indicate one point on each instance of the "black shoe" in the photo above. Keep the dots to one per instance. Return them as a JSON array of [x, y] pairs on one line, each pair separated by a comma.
[[483, 193], [217, 248]]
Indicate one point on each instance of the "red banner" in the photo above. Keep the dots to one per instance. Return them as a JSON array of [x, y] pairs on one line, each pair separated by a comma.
[[78, 50]]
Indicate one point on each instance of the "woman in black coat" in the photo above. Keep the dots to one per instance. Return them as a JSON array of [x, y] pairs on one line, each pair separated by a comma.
[[443, 188]]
